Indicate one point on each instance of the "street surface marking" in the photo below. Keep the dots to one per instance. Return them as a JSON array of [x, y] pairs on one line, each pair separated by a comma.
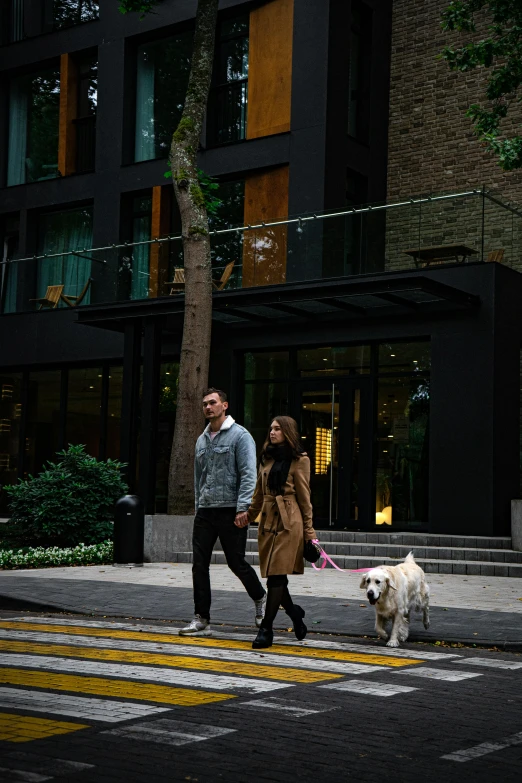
[[122, 689], [486, 747], [368, 687], [22, 728], [23, 776], [169, 732], [280, 705], [161, 659], [369, 649], [491, 662], [319, 652], [440, 674], [264, 658], [47, 766], [76, 706], [189, 679]]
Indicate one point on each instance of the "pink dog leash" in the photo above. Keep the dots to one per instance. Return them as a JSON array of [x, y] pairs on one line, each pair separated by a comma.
[[327, 559]]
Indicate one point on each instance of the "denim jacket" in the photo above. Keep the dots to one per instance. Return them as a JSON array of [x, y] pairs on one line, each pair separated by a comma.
[[225, 467]]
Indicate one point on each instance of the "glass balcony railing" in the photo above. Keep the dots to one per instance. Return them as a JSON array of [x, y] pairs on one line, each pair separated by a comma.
[[419, 233]]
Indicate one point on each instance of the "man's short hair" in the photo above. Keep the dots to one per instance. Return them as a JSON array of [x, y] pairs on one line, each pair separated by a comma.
[[222, 395]]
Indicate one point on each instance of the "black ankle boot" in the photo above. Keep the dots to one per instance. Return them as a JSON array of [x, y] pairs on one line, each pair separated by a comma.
[[264, 638], [297, 615]]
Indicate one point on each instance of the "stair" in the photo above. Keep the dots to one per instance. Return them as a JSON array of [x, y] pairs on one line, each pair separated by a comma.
[[436, 554]]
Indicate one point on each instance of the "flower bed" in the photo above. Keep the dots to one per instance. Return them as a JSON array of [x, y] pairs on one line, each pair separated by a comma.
[[38, 557]]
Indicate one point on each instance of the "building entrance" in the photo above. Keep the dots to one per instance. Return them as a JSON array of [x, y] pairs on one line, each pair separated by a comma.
[[335, 420]]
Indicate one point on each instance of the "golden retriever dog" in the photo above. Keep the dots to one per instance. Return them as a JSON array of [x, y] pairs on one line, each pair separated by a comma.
[[395, 591]]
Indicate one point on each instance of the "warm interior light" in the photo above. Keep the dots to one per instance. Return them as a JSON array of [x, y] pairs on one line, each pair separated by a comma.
[[380, 518], [387, 514], [323, 446]]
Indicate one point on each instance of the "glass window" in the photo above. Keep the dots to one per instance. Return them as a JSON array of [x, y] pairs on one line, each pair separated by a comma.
[[228, 247], [265, 365], [324, 362], [163, 69], [12, 22], [229, 95], [114, 412], [34, 102], [84, 409], [8, 270], [10, 413], [402, 451], [404, 357], [85, 121], [167, 417], [43, 420], [358, 75], [63, 232], [67, 13], [141, 229], [263, 401]]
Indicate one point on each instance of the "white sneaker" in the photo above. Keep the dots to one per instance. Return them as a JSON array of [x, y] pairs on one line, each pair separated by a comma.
[[198, 627], [260, 610]]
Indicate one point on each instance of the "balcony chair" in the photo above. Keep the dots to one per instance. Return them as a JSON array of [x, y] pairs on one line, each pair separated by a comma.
[[218, 285], [51, 298], [74, 301], [496, 255], [177, 286]]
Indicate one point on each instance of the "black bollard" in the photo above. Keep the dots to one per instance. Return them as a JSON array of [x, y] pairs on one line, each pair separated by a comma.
[[129, 528]]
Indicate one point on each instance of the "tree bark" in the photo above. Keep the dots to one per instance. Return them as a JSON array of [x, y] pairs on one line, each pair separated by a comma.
[[195, 346]]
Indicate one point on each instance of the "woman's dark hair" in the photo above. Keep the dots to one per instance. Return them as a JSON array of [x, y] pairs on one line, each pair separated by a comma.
[[292, 437]]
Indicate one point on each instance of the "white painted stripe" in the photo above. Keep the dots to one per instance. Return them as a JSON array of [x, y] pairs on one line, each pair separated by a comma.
[[491, 663], [22, 775], [50, 767], [439, 674], [280, 705], [368, 687], [169, 676], [484, 748], [169, 732], [367, 649], [83, 707], [238, 656]]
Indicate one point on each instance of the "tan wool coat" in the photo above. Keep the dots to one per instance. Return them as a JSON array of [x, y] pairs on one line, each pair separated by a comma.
[[286, 520]]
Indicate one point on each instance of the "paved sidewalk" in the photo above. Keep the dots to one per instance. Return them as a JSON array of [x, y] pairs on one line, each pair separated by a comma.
[[468, 609]]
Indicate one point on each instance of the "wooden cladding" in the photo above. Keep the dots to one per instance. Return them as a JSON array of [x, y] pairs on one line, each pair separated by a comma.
[[68, 113], [159, 226], [264, 250], [270, 68]]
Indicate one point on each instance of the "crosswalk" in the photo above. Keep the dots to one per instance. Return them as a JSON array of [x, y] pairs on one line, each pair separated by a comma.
[[129, 682]]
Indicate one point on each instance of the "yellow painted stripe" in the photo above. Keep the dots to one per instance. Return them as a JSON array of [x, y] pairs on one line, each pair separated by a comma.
[[198, 641], [22, 728], [120, 688], [179, 661]]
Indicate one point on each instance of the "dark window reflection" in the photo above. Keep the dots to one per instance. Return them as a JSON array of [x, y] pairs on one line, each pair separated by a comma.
[[43, 420], [229, 97], [10, 414], [263, 401], [67, 13], [85, 121], [83, 408]]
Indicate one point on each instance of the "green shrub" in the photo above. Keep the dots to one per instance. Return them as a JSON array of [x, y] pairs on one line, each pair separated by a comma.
[[94, 554], [70, 502]]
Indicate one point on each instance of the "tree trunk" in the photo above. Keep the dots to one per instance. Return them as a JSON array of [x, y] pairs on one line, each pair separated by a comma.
[[195, 346]]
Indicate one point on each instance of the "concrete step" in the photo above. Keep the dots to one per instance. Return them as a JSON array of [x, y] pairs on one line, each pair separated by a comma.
[[430, 566], [398, 552], [417, 540]]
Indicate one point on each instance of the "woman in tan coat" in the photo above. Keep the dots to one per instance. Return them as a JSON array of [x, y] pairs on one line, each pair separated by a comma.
[[282, 497]]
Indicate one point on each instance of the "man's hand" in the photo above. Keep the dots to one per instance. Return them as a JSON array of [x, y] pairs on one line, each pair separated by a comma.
[[241, 519]]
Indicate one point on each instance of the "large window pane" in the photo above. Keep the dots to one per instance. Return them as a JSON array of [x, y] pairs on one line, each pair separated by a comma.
[[84, 409], [263, 401], [402, 451], [34, 103], [266, 365], [226, 248], [141, 228], [62, 232], [114, 412], [404, 357], [10, 412], [86, 120], [43, 419], [230, 85], [163, 69], [8, 268], [326, 362], [167, 417], [70, 12]]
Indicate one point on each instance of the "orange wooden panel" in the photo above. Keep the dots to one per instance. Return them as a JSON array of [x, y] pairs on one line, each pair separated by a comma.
[[264, 250], [160, 226], [68, 113], [270, 68]]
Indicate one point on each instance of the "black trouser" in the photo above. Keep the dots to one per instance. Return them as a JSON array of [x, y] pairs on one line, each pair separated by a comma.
[[278, 595], [209, 524]]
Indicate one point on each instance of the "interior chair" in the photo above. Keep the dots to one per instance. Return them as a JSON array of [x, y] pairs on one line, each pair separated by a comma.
[[218, 285], [177, 286], [51, 298], [74, 301], [496, 255]]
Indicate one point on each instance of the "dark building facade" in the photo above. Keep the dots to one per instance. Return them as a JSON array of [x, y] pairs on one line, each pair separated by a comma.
[[402, 369]]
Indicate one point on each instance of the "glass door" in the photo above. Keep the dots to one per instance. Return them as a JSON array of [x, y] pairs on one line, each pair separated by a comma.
[[334, 421]]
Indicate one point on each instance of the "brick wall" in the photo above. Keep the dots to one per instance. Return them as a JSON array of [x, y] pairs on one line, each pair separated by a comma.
[[432, 147]]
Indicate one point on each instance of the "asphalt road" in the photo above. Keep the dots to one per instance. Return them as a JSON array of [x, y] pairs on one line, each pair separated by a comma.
[[95, 700]]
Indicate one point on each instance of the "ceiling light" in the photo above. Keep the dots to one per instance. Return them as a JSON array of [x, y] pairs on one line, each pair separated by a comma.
[[392, 354]]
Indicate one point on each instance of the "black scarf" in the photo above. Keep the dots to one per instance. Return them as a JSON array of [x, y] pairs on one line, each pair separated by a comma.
[[282, 456]]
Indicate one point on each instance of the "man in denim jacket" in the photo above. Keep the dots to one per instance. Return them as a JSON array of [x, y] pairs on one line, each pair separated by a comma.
[[224, 482]]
